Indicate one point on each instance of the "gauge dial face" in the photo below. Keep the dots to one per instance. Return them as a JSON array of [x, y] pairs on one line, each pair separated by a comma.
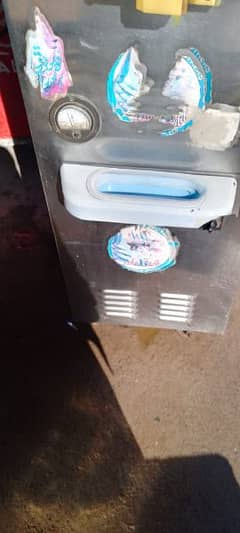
[[72, 119], [75, 120]]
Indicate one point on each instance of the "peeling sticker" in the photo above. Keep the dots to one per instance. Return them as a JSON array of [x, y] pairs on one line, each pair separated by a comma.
[[46, 66], [127, 81], [144, 249], [208, 74], [191, 82]]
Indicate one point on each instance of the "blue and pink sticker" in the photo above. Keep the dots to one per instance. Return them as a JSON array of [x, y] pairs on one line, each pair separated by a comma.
[[46, 66], [144, 249], [127, 81], [189, 83]]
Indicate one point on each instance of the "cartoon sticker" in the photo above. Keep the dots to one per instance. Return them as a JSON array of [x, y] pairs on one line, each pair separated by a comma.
[[46, 67], [127, 81], [190, 81], [208, 74], [144, 249]]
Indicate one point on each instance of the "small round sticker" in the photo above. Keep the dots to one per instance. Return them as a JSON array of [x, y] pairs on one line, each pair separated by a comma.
[[144, 249]]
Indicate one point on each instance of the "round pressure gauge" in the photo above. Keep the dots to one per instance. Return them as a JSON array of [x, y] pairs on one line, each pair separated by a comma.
[[74, 119]]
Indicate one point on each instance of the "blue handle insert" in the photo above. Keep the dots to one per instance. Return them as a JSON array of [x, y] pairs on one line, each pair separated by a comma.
[[156, 187]]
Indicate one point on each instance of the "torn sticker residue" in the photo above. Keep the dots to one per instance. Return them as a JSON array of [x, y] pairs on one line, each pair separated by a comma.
[[46, 66], [191, 82], [208, 75], [217, 128], [186, 83], [178, 123], [127, 82], [144, 249]]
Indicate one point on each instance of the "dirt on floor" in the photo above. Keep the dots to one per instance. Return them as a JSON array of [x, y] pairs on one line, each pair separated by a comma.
[[152, 445]]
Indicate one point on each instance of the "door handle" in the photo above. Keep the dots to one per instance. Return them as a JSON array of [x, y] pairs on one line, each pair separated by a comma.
[[140, 196]]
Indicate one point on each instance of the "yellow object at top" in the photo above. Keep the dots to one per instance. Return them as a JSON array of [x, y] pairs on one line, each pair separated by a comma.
[[171, 7], [209, 3], [162, 7]]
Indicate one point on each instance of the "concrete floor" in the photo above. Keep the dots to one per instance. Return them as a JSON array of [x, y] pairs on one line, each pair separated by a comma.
[[151, 446]]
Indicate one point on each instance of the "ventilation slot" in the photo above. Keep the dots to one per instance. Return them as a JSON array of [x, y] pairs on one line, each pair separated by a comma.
[[120, 304], [176, 307]]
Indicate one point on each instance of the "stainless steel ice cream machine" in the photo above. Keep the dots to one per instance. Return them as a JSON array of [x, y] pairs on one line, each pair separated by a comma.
[[134, 109]]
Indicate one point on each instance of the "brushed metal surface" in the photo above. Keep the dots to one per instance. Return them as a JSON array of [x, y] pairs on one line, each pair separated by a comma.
[[208, 267]]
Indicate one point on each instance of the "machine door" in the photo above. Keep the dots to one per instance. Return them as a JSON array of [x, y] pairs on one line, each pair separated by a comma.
[[118, 144]]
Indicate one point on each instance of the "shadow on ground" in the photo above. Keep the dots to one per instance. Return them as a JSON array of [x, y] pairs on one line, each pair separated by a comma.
[[68, 460]]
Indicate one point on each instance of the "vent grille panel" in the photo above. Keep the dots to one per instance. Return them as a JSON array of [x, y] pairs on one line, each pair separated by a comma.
[[120, 304], [176, 307]]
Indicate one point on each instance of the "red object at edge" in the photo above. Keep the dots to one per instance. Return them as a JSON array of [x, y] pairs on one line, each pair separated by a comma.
[[13, 119]]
